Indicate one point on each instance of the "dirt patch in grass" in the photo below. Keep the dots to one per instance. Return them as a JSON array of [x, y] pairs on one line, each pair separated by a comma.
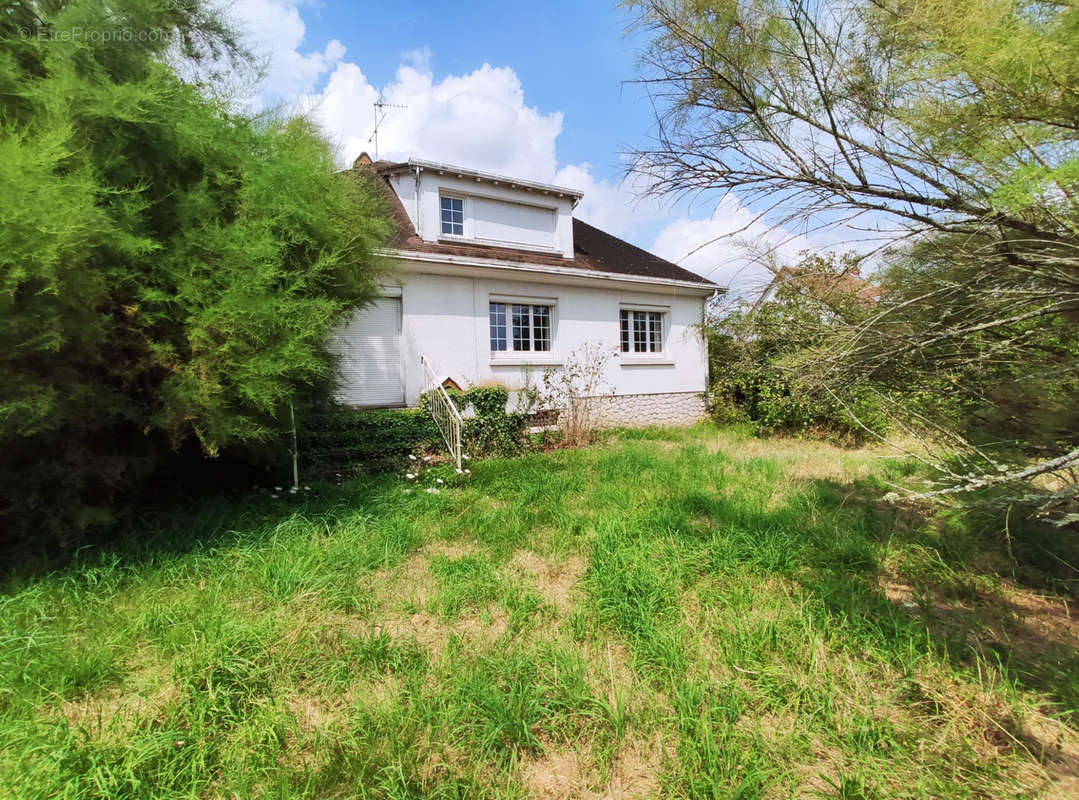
[[1006, 615], [312, 712], [1057, 748], [803, 459], [143, 697], [433, 633], [561, 773], [119, 711], [1042, 618], [556, 775], [1040, 753], [555, 580], [456, 548], [412, 581], [402, 594]]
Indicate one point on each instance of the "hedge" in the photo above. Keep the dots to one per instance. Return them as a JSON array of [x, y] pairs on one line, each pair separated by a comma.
[[368, 439]]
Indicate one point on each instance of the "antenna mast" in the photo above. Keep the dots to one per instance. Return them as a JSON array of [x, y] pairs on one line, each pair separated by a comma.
[[380, 115]]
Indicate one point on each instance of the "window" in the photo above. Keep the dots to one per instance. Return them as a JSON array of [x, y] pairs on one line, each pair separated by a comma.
[[642, 331], [453, 216], [525, 326]]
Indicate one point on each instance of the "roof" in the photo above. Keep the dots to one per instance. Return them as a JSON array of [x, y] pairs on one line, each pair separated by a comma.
[[593, 249], [824, 285], [390, 167]]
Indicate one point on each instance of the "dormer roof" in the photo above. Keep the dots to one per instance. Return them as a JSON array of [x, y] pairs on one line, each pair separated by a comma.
[[594, 251], [417, 164]]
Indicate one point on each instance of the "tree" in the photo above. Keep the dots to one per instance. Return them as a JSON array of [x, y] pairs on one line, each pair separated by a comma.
[[169, 268], [953, 127], [756, 351]]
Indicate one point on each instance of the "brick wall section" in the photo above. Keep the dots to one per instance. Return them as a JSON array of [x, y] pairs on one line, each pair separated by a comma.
[[629, 410]]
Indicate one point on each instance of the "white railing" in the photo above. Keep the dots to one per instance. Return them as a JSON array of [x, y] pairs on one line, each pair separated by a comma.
[[444, 412]]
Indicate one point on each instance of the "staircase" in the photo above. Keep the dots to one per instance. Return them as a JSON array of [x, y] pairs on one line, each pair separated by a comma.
[[443, 411]]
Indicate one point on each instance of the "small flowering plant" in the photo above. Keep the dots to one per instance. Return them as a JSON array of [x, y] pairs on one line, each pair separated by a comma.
[[426, 473]]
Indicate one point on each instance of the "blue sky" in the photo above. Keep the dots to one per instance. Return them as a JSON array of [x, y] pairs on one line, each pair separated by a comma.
[[570, 57], [542, 91]]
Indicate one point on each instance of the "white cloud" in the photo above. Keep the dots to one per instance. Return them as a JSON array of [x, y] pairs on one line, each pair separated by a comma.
[[481, 120], [275, 32], [615, 207], [734, 246]]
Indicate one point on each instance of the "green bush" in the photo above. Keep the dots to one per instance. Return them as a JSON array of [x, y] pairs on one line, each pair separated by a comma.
[[492, 431], [169, 268], [762, 396], [488, 401], [363, 439], [757, 355]]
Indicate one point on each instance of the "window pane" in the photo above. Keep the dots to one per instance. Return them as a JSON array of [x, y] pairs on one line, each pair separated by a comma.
[[521, 338], [625, 330], [541, 327], [640, 332], [498, 326], [453, 215], [655, 332]]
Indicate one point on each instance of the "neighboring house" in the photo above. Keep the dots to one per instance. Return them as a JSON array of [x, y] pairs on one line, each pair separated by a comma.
[[826, 286], [496, 281]]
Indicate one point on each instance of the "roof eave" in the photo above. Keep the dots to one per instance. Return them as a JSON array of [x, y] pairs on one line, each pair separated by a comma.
[[488, 177], [570, 273]]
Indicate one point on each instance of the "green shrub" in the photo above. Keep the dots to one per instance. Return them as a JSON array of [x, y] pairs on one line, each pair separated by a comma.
[[492, 431], [169, 268], [363, 439], [757, 357], [488, 401], [761, 395], [457, 397]]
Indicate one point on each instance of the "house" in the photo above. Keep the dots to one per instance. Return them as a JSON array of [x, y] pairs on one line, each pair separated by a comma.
[[496, 281], [826, 286]]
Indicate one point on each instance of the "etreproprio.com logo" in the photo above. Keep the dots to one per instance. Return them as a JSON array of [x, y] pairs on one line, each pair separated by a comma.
[[94, 35]]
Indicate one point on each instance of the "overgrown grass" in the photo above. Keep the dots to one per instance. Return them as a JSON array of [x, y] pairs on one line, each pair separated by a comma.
[[673, 613]]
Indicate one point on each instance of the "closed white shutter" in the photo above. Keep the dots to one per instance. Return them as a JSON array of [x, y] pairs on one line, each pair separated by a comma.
[[369, 347], [514, 223]]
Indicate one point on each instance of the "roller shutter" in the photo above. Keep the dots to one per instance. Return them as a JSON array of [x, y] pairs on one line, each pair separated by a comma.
[[369, 346]]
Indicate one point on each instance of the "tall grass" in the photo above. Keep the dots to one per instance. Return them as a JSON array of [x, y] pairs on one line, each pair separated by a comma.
[[671, 613]]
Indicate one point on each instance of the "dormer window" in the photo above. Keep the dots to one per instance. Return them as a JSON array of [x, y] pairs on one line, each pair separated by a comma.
[[453, 216]]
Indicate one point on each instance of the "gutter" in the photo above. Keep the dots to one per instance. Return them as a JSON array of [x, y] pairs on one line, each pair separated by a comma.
[[417, 165], [704, 289]]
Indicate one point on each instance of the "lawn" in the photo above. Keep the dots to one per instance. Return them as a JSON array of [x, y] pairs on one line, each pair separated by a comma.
[[671, 613]]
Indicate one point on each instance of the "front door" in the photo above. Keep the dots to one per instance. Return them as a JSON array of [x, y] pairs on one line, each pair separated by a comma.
[[369, 348]]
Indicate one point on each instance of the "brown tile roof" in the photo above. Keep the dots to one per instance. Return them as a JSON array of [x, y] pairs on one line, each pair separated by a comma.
[[606, 253], [825, 285], [592, 248]]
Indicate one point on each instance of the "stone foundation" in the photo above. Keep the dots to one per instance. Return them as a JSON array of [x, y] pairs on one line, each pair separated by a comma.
[[638, 410]]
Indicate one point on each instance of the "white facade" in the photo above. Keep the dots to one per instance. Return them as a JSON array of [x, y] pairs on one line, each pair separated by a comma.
[[498, 210], [441, 305]]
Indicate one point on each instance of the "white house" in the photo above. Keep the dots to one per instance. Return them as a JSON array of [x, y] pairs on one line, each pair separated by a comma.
[[497, 282]]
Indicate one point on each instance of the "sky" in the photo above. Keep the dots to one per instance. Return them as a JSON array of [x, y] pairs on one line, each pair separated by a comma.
[[540, 90]]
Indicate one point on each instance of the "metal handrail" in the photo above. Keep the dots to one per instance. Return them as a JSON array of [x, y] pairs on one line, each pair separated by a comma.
[[443, 411]]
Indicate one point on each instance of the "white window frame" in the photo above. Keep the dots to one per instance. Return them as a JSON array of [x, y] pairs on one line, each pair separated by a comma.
[[466, 216], [509, 356], [661, 356]]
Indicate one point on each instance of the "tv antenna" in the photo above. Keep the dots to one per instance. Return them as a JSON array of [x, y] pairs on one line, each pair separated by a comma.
[[380, 115]]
